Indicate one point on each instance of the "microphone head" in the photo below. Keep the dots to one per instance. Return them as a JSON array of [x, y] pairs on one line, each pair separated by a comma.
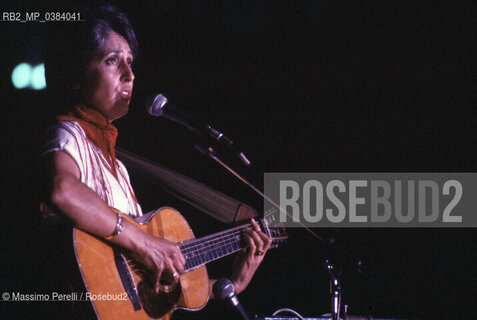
[[155, 105], [223, 289], [159, 106]]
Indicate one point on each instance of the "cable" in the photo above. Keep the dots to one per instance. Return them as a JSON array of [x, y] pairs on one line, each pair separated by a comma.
[[288, 310]]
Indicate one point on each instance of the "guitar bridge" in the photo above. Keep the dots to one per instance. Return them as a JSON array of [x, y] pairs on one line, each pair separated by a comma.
[[127, 280]]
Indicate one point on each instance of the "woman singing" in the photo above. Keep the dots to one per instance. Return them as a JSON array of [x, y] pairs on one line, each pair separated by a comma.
[[94, 68]]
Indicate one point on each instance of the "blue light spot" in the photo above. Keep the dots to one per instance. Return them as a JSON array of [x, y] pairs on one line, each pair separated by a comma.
[[21, 75], [38, 77]]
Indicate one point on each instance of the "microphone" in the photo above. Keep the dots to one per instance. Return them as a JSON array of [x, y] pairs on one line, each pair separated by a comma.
[[158, 106], [224, 290]]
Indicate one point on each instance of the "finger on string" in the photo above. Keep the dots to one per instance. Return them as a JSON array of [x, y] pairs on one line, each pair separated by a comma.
[[255, 225], [256, 239], [251, 243]]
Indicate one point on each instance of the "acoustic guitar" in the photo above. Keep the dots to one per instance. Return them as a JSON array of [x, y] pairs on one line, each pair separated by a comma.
[[120, 288]]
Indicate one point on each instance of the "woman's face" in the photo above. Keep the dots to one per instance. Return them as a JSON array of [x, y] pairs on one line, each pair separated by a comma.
[[109, 79]]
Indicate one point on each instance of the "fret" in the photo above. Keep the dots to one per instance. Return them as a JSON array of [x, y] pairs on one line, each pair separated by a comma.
[[198, 252], [195, 260], [201, 251], [201, 258]]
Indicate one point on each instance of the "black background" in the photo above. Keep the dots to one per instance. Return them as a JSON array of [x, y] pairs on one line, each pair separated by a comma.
[[300, 86]]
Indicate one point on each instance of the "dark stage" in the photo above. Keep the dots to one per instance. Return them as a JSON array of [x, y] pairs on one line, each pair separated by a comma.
[[300, 86]]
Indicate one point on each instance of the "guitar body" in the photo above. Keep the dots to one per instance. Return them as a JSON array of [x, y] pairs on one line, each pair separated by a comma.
[[96, 260]]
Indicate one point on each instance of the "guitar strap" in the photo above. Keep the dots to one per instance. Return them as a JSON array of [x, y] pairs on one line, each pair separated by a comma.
[[208, 200]]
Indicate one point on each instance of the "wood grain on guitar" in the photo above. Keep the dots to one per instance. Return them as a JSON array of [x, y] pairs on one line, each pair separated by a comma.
[[123, 289]]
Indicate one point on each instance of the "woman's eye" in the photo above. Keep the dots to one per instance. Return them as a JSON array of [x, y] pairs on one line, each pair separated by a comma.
[[112, 60]]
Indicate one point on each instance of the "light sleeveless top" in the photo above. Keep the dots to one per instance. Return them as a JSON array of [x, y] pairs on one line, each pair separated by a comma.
[[68, 136]]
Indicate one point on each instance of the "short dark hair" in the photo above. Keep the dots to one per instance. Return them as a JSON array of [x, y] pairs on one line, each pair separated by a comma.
[[72, 46]]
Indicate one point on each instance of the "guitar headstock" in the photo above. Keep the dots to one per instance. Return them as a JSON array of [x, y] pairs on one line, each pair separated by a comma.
[[278, 233]]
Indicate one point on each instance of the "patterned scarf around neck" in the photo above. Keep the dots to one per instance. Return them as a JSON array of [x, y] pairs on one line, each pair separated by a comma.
[[98, 129]]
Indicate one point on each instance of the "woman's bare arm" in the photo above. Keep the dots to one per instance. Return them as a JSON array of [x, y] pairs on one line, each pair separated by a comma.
[[89, 212]]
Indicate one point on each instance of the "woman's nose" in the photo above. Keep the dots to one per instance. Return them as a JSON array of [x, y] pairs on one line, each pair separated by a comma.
[[127, 73]]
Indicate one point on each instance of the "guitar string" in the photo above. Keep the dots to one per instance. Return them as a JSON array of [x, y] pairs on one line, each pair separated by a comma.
[[214, 247], [212, 237], [206, 245], [206, 250], [210, 252], [192, 241], [216, 242], [224, 239], [197, 259]]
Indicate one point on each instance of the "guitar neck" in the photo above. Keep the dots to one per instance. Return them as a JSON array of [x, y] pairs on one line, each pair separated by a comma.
[[198, 252]]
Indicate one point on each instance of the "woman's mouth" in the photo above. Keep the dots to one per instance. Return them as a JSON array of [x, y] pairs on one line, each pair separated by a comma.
[[125, 94]]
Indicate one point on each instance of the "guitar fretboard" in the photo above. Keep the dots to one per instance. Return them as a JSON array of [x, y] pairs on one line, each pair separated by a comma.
[[198, 252]]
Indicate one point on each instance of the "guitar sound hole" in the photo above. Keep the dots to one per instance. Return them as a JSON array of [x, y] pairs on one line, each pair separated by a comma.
[[168, 283], [157, 305]]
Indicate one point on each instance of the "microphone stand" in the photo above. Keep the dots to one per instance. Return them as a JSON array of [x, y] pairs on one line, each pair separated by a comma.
[[211, 153], [335, 288], [333, 270]]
